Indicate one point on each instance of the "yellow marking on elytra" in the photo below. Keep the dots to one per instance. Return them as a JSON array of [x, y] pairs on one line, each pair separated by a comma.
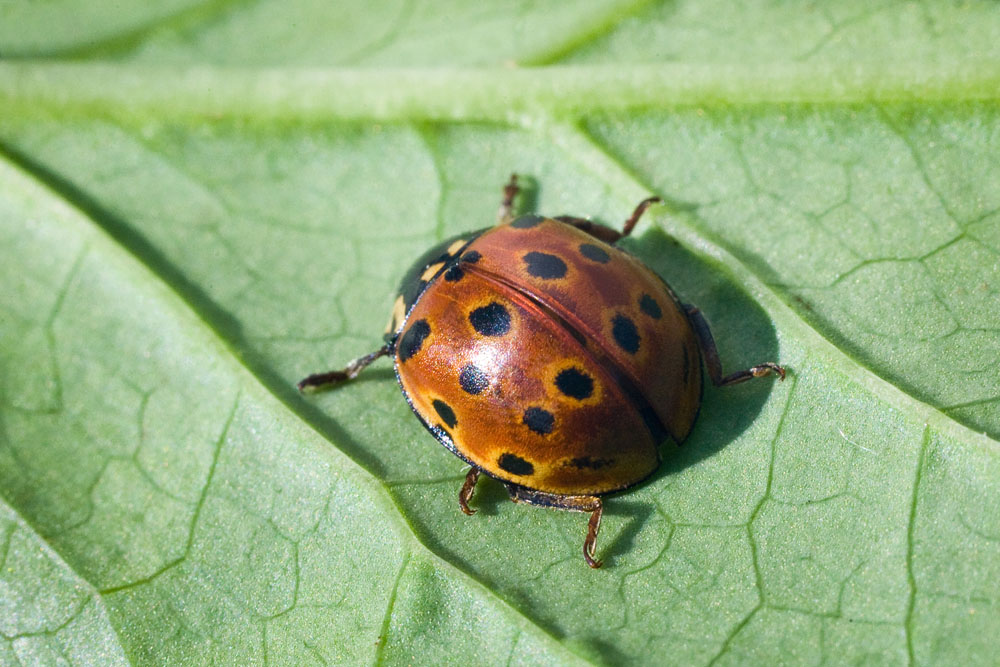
[[456, 246], [398, 312], [430, 271]]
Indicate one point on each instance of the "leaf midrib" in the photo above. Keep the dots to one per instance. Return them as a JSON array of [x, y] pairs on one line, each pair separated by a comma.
[[474, 93]]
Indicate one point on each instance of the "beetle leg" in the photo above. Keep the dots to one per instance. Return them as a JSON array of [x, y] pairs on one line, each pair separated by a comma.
[[637, 213], [468, 488], [323, 380], [590, 541], [595, 229], [605, 233], [711, 355], [592, 504], [507, 204]]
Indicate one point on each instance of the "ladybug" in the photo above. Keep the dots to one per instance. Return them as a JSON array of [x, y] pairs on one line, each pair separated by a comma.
[[543, 355]]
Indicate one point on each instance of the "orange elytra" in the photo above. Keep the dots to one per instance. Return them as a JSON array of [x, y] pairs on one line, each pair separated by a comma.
[[543, 355]]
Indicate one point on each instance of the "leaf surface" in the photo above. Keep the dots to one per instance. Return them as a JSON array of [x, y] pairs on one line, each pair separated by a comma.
[[183, 239]]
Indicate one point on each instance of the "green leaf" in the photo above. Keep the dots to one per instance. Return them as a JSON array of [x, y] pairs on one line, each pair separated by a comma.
[[200, 204], [50, 615]]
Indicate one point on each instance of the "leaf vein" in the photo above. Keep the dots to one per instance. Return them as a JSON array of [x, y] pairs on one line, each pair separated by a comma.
[[383, 637], [910, 535]]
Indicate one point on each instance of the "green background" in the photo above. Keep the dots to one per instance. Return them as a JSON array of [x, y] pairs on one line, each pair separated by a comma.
[[201, 202]]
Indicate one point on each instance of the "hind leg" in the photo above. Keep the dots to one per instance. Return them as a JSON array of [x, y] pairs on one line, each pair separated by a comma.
[[711, 355], [591, 504]]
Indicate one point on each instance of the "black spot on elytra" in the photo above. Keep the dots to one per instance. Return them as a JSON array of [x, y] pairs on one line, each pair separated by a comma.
[[515, 465], [413, 339], [544, 265], [490, 320], [575, 383], [527, 221], [445, 412], [687, 363], [648, 305], [454, 274], [587, 463], [539, 420], [472, 379], [471, 257], [594, 253], [625, 333]]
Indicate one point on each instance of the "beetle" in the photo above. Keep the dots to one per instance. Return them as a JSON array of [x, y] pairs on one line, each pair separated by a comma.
[[548, 358]]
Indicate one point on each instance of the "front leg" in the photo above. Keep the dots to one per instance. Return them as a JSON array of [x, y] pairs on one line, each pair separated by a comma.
[[327, 379], [607, 234], [506, 212]]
